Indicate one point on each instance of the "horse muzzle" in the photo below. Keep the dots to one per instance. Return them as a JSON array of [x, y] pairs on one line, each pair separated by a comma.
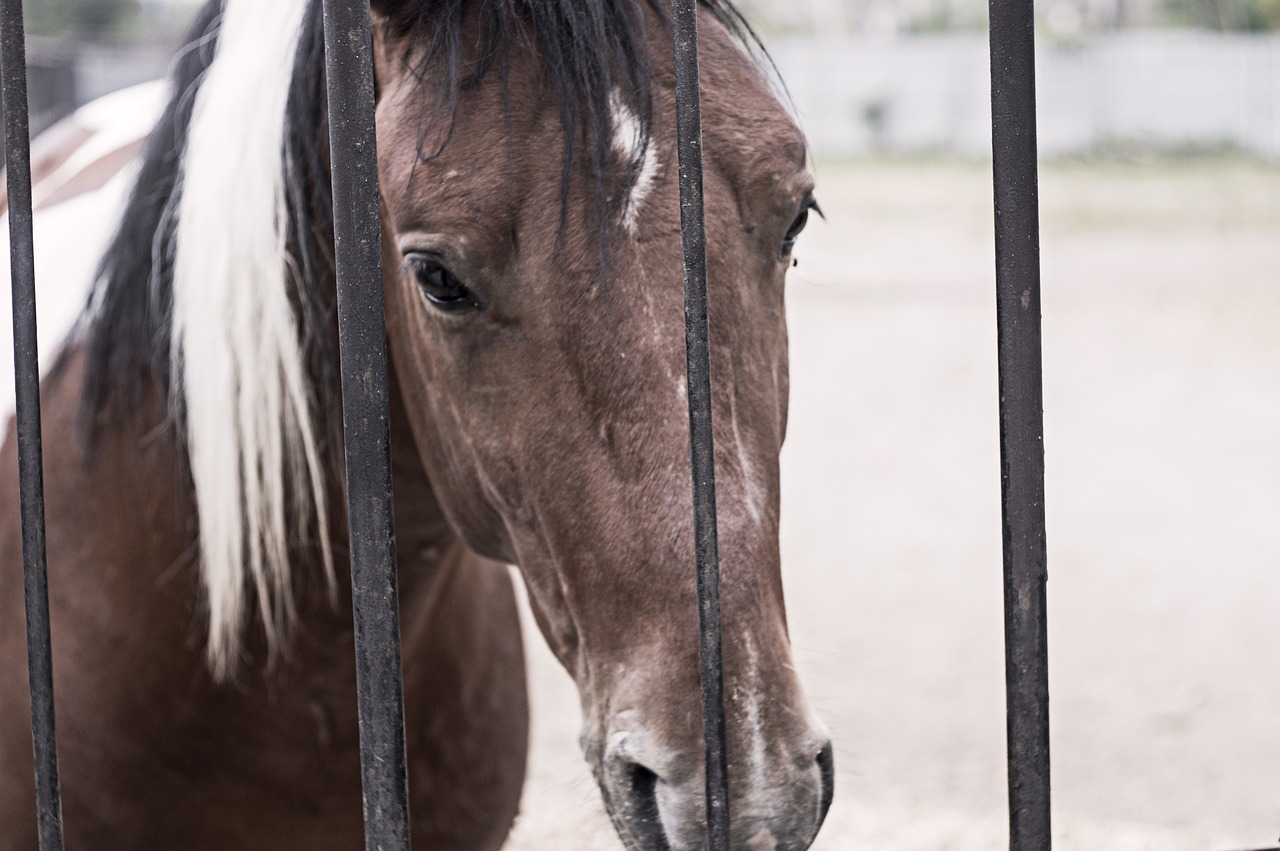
[[773, 807]]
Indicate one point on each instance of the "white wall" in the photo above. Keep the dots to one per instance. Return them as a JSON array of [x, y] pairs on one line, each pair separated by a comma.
[[1159, 88]]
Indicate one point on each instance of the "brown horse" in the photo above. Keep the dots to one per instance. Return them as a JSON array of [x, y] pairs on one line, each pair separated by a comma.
[[201, 621]]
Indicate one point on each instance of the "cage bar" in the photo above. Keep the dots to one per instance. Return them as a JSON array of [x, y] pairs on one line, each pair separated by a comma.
[[1013, 121], [684, 24], [13, 81], [365, 401]]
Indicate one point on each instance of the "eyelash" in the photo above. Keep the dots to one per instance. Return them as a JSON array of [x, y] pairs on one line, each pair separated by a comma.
[[797, 227]]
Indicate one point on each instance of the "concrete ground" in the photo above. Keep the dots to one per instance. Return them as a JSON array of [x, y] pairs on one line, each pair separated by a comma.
[[1162, 307]]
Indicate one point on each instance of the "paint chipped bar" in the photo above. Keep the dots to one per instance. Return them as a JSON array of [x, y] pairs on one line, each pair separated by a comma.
[[13, 73], [1014, 150], [362, 338], [693, 232]]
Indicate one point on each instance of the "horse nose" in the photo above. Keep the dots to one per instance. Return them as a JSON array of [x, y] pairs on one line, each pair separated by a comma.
[[785, 817], [827, 776], [653, 814], [631, 793]]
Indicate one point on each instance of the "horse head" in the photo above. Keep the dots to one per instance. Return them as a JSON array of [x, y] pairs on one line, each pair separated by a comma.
[[534, 300]]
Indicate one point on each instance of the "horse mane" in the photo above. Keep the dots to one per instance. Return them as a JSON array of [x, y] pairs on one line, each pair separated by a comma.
[[216, 295]]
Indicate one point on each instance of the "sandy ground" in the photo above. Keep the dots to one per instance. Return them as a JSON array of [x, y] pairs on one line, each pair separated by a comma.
[[1162, 297]]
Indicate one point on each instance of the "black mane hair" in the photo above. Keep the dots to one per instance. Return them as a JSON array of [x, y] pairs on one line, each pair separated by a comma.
[[127, 341], [589, 48]]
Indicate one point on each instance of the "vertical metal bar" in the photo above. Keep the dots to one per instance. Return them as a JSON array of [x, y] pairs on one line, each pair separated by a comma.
[[1013, 116], [362, 333], [13, 81], [684, 20]]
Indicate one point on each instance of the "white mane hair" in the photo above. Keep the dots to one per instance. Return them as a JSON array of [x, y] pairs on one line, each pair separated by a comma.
[[237, 353]]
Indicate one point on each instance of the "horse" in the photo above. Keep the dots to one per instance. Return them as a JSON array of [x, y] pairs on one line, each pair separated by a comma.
[[202, 631]]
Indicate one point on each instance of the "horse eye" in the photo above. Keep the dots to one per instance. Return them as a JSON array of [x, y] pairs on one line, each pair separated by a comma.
[[797, 227], [439, 285]]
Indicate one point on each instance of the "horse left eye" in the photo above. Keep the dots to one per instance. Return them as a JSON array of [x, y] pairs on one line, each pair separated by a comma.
[[797, 227], [439, 285]]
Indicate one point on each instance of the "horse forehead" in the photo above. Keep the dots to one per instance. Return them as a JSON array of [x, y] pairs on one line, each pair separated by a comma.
[[746, 124], [742, 106], [502, 136]]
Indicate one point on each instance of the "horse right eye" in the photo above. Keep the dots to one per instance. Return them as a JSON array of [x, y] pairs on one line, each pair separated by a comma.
[[797, 227], [442, 289]]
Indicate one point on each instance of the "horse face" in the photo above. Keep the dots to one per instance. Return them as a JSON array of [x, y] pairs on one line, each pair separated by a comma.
[[549, 406]]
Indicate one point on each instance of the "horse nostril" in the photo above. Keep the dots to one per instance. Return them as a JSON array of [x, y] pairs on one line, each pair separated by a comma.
[[827, 771], [636, 805]]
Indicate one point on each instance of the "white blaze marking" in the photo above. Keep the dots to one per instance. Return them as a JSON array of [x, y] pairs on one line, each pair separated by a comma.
[[753, 490], [755, 725], [628, 140]]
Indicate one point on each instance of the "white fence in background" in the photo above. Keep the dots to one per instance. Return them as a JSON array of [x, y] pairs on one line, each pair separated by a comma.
[[930, 93]]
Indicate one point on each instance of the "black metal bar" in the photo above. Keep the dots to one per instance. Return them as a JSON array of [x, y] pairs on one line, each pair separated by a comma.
[[362, 333], [13, 81], [684, 21], [1013, 108]]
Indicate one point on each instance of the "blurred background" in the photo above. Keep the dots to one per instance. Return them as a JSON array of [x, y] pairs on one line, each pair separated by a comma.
[[1160, 130], [873, 76]]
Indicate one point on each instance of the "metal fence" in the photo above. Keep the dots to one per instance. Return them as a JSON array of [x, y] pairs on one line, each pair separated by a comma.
[[365, 410]]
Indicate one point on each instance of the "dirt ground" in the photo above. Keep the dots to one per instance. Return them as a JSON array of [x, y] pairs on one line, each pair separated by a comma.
[[1162, 300]]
